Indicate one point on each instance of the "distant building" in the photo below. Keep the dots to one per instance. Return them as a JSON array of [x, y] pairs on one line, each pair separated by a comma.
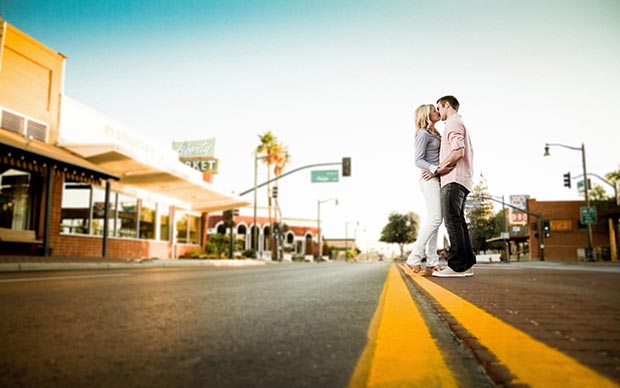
[[297, 236], [567, 238]]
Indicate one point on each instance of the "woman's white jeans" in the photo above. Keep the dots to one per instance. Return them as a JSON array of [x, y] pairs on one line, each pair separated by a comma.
[[426, 244]]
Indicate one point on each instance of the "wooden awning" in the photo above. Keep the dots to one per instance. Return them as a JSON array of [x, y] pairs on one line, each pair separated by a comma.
[[34, 155]]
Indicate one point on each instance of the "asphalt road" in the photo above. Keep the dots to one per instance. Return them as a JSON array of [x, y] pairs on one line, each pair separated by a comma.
[[299, 325]]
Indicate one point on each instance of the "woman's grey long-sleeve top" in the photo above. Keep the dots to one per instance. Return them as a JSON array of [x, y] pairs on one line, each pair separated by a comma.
[[427, 150]]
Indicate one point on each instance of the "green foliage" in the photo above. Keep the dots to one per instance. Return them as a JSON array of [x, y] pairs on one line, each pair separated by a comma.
[[401, 229], [249, 253], [483, 223], [219, 244], [614, 176]]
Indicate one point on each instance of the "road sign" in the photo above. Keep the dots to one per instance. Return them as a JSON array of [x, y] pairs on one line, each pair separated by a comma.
[[580, 186], [588, 215], [321, 176]]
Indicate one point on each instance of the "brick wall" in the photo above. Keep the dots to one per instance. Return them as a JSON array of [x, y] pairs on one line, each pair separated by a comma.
[[92, 246], [567, 235]]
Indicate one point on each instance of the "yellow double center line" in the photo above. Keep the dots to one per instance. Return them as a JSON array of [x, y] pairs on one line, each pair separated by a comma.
[[402, 352]]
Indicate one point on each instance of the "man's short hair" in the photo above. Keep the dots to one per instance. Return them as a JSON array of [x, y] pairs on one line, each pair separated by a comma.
[[451, 100]]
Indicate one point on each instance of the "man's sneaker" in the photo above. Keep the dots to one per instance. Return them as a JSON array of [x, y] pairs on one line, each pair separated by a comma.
[[449, 273], [469, 272]]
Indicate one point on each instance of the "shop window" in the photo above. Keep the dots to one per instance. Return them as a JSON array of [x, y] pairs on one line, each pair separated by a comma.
[[148, 219], [83, 208], [182, 229], [75, 214], [188, 229], [164, 223], [194, 229], [98, 212], [15, 203], [127, 216]]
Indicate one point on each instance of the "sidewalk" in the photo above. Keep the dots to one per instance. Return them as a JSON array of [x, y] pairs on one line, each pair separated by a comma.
[[41, 263], [572, 308]]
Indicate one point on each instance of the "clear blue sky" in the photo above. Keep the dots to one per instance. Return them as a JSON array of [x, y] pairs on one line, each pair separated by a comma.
[[335, 79]]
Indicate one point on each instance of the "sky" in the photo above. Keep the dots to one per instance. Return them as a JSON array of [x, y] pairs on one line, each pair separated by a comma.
[[343, 78]]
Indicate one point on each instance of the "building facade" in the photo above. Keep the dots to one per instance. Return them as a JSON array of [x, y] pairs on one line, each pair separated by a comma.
[[76, 183], [297, 237], [567, 235]]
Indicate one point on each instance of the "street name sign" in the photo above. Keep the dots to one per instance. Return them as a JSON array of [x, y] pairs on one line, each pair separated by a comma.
[[588, 215], [321, 176]]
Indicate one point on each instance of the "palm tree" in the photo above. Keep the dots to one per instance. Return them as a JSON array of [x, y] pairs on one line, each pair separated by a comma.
[[271, 151], [281, 159]]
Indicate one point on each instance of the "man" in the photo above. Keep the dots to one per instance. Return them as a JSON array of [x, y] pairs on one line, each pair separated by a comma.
[[455, 170]]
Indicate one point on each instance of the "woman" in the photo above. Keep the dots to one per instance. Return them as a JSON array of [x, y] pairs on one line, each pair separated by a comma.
[[427, 142]]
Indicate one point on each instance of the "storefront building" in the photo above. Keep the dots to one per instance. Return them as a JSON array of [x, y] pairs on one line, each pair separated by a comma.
[[297, 236], [62, 162], [567, 236]]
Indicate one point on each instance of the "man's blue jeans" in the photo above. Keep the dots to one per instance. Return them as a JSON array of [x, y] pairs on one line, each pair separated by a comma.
[[461, 257]]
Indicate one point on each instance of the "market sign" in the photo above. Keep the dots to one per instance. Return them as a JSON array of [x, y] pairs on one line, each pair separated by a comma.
[[198, 154], [195, 148]]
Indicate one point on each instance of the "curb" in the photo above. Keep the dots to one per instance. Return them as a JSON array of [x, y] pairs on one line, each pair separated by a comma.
[[31, 267]]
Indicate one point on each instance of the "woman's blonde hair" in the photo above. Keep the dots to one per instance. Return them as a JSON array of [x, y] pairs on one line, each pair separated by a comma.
[[423, 119]]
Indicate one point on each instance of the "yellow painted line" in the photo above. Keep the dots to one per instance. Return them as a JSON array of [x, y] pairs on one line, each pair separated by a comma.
[[401, 351], [532, 362]]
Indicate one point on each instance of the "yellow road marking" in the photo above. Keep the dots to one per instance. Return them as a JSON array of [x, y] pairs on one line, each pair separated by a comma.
[[400, 351], [533, 362]]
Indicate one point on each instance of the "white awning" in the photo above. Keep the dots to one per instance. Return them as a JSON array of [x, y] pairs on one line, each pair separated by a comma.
[[165, 177]]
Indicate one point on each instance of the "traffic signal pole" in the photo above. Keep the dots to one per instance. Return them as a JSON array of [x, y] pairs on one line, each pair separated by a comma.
[[254, 188]]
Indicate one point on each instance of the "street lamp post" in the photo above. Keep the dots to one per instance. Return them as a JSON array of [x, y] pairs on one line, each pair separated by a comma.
[[318, 219], [254, 227], [586, 188], [505, 224]]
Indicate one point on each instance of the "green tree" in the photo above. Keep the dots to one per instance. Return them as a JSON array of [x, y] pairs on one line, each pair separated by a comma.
[[481, 217], [598, 194], [401, 229], [614, 176]]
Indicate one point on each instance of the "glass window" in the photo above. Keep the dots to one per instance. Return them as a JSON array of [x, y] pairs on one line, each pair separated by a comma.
[[182, 228], [98, 212], [15, 207], [188, 229], [127, 216], [164, 223], [148, 219], [194, 229], [75, 213]]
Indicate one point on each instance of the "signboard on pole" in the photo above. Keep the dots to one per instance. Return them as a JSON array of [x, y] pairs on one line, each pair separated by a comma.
[[321, 176], [588, 215], [198, 154], [517, 217], [580, 186]]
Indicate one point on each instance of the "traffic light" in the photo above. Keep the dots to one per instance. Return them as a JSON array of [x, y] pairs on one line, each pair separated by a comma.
[[567, 180], [547, 228], [228, 217], [346, 166], [274, 192]]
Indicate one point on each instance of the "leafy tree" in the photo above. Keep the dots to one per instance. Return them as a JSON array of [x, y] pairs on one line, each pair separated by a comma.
[[598, 194], [481, 217], [614, 176], [401, 229]]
